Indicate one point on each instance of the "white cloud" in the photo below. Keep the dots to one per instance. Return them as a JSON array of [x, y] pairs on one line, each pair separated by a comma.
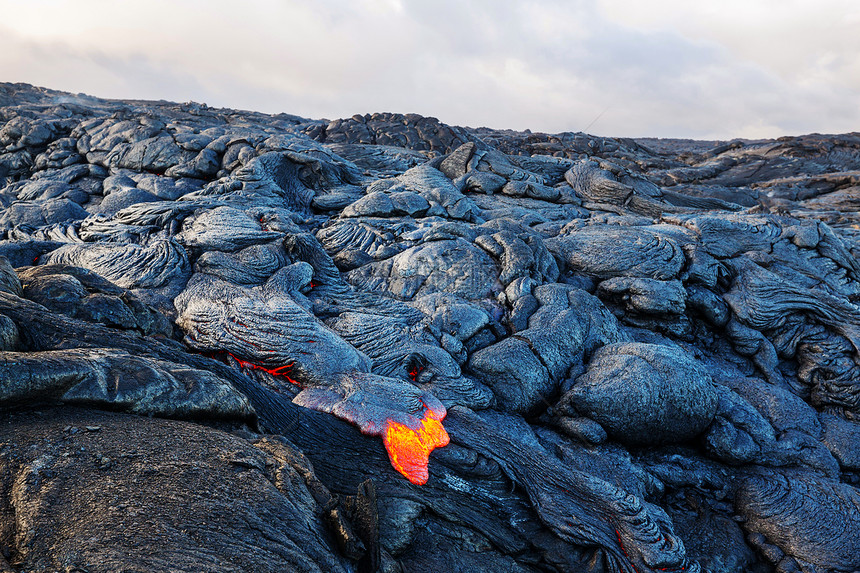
[[661, 68]]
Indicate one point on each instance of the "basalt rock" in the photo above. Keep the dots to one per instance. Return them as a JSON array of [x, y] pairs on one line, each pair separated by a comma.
[[103, 491], [644, 393], [231, 340], [814, 539]]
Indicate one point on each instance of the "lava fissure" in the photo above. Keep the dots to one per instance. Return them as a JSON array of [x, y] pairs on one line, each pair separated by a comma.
[[280, 371]]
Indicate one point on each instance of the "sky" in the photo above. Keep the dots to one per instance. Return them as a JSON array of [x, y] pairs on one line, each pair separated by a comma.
[[698, 69]]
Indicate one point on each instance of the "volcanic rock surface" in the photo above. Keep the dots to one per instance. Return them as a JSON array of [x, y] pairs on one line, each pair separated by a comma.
[[232, 341]]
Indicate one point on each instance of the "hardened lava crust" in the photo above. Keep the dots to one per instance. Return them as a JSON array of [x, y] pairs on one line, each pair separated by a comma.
[[233, 341]]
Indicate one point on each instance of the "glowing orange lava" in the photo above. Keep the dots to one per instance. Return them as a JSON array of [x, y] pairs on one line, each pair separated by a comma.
[[409, 450]]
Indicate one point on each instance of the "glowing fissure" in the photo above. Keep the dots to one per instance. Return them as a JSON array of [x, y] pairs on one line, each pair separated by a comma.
[[409, 449], [414, 372], [280, 371]]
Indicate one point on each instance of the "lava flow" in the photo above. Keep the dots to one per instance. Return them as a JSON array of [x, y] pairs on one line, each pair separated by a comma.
[[409, 450]]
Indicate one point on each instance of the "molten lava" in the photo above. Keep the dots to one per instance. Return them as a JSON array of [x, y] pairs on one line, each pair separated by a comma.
[[409, 450]]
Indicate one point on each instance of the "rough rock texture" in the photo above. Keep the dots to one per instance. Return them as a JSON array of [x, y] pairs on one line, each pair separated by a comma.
[[644, 394], [184, 497], [232, 341]]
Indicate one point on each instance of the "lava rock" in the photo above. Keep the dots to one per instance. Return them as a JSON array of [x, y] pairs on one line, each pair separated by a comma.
[[645, 393]]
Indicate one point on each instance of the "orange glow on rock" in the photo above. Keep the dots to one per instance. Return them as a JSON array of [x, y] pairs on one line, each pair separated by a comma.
[[409, 450]]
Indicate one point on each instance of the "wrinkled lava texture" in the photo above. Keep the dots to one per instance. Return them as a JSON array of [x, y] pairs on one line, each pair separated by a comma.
[[232, 341]]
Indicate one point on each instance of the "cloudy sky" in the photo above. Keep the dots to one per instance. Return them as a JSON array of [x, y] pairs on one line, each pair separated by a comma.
[[709, 69]]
